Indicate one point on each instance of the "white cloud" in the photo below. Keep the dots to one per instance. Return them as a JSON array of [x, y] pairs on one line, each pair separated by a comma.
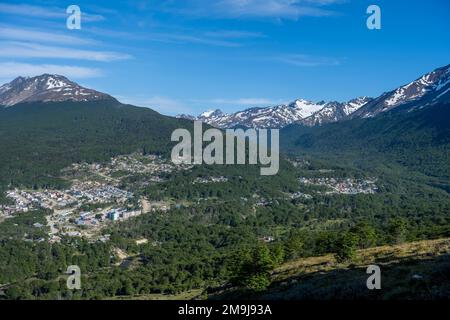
[[8, 32], [219, 38], [234, 34], [44, 12], [171, 106], [302, 60], [32, 50], [13, 69], [245, 101], [268, 8], [185, 38], [164, 105], [279, 9], [166, 37]]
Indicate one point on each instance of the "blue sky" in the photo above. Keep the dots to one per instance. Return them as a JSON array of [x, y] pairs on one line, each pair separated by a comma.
[[185, 56]]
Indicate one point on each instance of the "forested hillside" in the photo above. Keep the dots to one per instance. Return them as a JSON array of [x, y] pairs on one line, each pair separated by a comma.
[[39, 139], [418, 141], [232, 232]]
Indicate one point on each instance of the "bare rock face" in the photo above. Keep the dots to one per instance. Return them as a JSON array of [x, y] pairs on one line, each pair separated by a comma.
[[46, 88]]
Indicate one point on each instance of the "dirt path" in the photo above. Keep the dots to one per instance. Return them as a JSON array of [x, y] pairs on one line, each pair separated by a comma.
[[146, 206]]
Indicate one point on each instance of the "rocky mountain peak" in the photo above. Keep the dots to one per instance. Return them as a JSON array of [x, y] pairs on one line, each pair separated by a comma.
[[46, 88]]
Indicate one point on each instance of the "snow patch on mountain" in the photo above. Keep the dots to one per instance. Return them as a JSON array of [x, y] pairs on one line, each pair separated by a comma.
[[46, 88], [307, 108], [428, 89], [281, 115]]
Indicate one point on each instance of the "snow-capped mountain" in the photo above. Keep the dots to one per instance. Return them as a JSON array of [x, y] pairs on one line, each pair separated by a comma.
[[211, 116], [299, 111], [335, 111], [432, 88], [186, 116], [46, 88]]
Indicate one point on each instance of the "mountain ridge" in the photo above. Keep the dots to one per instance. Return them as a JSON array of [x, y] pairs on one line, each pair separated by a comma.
[[47, 88], [432, 88], [280, 116]]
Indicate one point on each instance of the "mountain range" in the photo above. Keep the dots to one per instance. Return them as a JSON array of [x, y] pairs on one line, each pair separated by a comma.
[[48, 122], [430, 89], [299, 111]]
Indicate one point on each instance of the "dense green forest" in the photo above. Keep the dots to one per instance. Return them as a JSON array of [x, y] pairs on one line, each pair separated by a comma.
[[209, 244], [215, 237], [39, 139], [417, 140]]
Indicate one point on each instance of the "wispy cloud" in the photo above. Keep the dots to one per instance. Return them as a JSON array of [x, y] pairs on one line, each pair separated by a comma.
[[234, 34], [245, 101], [302, 60], [186, 38], [13, 69], [24, 34], [44, 12], [164, 105], [16, 49], [280, 9], [218, 38]]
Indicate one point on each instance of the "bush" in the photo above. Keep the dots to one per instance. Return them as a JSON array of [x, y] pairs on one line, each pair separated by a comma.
[[346, 247]]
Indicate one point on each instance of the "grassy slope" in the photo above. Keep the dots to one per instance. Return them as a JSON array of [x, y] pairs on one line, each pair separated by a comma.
[[324, 278], [188, 295]]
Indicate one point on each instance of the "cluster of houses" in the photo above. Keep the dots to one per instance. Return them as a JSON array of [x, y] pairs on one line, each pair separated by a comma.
[[86, 223], [299, 162], [94, 199], [90, 204], [298, 195], [66, 218], [122, 214], [77, 195], [201, 180], [263, 202], [113, 214], [132, 164], [96, 192], [343, 186], [25, 201], [135, 163]]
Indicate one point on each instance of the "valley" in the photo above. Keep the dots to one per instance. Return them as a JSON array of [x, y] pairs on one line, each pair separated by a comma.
[[90, 183], [96, 198], [231, 212], [238, 158]]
